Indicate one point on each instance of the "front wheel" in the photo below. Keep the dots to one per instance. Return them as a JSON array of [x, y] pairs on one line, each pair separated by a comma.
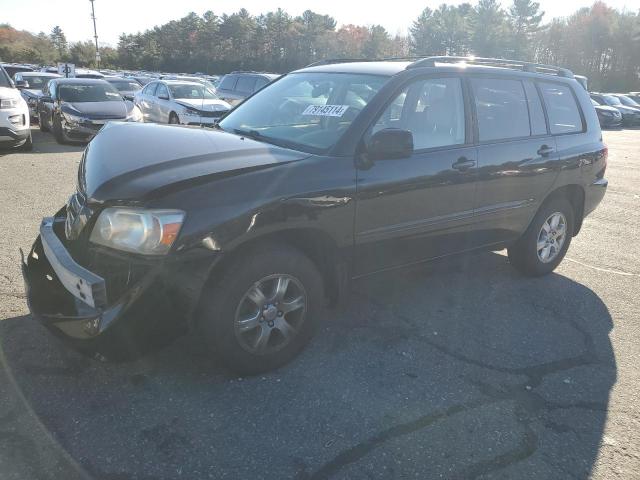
[[27, 146], [173, 119], [57, 130], [543, 246], [263, 311]]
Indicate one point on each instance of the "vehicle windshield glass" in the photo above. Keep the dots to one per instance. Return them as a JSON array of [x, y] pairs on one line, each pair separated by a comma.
[[4, 79], [96, 92], [125, 86], [190, 91], [627, 101], [36, 82], [611, 100], [306, 111]]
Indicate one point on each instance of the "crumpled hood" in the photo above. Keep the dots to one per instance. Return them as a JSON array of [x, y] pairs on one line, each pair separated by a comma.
[[99, 109], [134, 161], [32, 92], [211, 105]]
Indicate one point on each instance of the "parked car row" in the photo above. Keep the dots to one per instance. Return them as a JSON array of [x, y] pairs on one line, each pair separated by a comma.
[[616, 110]]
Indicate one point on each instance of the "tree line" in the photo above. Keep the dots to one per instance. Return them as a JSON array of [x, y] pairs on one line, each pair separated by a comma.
[[598, 41]]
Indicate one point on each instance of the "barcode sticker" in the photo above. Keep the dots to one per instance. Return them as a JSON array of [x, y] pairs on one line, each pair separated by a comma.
[[326, 110]]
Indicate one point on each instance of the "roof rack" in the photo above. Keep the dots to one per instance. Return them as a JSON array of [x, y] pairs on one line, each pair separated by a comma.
[[330, 61], [495, 62]]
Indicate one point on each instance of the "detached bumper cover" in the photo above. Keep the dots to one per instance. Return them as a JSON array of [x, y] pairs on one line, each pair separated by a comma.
[[113, 303]]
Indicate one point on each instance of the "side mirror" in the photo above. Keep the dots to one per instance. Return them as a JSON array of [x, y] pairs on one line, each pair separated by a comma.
[[163, 97], [22, 84], [389, 144]]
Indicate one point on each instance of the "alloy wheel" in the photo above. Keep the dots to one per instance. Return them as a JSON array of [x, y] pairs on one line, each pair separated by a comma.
[[551, 237], [270, 314]]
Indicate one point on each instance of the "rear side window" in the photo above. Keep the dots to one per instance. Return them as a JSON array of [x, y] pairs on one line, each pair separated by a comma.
[[536, 114], [228, 82], [501, 106], [162, 90], [563, 112], [246, 84]]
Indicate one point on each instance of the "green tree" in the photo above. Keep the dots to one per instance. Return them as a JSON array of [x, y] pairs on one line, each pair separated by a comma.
[[59, 41], [488, 29], [524, 17]]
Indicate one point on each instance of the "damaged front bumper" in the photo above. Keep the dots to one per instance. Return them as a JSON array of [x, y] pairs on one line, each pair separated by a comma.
[[120, 304]]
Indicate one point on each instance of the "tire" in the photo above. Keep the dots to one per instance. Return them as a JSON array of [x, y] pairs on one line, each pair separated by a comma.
[[227, 301], [173, 119], [42, 124], [27, 146], [57, 130], [525, 256]]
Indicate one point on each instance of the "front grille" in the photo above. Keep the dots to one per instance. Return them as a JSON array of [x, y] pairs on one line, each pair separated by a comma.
[[215, 114], [78, 215]]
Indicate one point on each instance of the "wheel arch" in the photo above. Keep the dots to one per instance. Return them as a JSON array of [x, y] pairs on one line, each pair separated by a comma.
[[315, 243], [574, 193]]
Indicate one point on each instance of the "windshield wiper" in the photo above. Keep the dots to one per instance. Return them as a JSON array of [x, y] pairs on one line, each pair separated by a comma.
[[252, 134]]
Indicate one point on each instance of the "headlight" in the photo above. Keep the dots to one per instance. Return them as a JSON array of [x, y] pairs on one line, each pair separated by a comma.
[[191, 112], [135, 115], [148, 232], [32, 101], [8, 103]]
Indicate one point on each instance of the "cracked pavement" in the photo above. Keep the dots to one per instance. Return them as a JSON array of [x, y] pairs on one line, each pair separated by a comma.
[[458, 369]]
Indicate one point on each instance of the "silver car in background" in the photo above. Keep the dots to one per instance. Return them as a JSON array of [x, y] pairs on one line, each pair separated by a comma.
[[180, 102]]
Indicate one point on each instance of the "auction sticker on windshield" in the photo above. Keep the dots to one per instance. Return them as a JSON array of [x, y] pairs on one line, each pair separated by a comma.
[[326, 110]]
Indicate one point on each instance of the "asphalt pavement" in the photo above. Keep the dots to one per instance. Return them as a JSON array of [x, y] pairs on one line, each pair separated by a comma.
[[458, 369]]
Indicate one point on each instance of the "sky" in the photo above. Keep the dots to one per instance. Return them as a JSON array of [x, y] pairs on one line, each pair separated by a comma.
[[130, 16]]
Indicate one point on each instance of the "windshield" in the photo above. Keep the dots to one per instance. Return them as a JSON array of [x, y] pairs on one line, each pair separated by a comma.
[[627, 101], [96, 92], [36, 82], [611, 100], [308, 111], [125, 85], [189, 91], [4, 79]]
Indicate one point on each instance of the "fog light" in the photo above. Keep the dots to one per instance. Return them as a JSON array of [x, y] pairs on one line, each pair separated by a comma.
[[17, 120]]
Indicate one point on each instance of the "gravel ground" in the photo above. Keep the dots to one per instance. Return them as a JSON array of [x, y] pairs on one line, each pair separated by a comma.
[[460, 369]]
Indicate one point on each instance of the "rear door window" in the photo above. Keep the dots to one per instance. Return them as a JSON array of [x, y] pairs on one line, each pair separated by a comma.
[[562, 109], [501, 107], [246, 84]]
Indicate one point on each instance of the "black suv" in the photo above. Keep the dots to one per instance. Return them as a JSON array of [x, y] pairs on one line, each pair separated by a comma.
[[236, 86], [333, 172]]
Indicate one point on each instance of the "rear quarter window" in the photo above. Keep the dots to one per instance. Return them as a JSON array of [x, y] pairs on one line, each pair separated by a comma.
[[562, 109], [246, 84]]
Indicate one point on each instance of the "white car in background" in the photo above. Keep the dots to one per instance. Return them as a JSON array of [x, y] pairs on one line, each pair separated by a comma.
[[14, 116], [180, 102]]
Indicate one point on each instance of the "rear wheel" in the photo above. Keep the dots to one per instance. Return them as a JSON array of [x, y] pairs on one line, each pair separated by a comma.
[[543, 246], [173, 119], [263, 311]]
